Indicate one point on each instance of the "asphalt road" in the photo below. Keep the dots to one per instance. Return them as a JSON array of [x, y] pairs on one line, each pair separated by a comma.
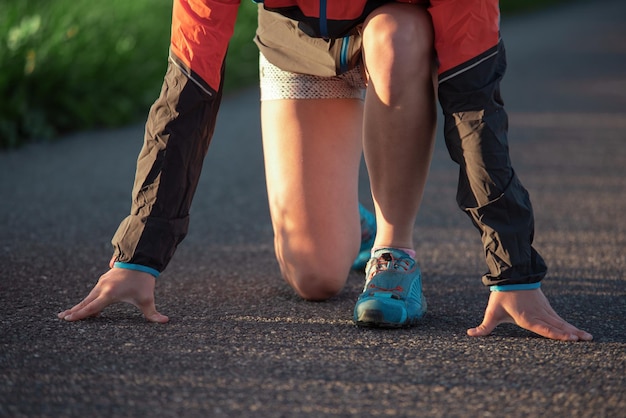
[[240, 343]]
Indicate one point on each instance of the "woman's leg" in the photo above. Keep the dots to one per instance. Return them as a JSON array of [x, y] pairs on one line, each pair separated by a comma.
[[399, 134], [312, 151], [400, 116]]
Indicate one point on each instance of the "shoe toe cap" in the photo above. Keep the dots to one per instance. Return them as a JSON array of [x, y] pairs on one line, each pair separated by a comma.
[[380, 312]]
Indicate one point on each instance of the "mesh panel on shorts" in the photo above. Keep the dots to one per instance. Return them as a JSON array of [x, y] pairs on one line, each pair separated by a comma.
[[278, 84]]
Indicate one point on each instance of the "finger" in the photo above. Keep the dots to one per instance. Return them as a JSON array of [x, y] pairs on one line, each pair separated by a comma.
[[554, 327], [490, 322], [156, 317], [584, 335], [90, 297], [550, 331], [150, 313], [562, 325], [547, 323], [483, 329], [494, 316], [91, 309]]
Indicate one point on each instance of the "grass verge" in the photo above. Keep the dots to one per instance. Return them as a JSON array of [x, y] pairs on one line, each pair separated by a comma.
[[70, 65]]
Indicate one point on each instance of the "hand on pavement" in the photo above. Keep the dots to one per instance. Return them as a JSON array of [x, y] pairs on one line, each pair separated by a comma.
[[118, 285], [530, 310]]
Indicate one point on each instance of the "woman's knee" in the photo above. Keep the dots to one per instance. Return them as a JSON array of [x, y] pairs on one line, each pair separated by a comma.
[[402, 28], [316, 286], [314, 274]]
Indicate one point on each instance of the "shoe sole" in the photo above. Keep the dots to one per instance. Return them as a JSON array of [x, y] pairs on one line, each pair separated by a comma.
[[374, 319]]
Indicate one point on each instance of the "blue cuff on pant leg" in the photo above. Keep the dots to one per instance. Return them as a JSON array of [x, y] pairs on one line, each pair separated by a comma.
[[137, 267], [512, 287]]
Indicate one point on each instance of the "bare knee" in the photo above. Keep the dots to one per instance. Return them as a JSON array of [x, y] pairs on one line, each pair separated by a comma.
[[313, 278], [403, 34], [314, 275], [400, 26], [315, 286]]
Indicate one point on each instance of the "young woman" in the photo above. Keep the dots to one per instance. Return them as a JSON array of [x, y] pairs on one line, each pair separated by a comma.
[[316, 59]]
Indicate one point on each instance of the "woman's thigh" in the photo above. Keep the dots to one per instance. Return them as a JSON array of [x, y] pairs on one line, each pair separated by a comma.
[[312, 151], [312, 129]]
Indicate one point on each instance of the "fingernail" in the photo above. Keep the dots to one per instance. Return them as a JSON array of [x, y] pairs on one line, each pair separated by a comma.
[[68, 317]]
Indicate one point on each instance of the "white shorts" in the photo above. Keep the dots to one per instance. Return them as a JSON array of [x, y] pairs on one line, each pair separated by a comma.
[[279, 84]]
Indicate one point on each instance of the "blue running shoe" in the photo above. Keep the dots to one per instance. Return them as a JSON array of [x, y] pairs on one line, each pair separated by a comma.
[[368, 234], [392, 296]]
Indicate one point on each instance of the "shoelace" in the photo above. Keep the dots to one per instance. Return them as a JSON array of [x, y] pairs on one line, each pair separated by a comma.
[[384, 263], [387, 262]]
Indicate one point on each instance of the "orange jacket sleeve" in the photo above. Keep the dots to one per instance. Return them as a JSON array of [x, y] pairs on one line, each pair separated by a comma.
[[464, 29], [201, 30]]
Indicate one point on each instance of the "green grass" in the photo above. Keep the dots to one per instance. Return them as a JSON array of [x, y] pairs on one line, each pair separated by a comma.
[[70, 65]]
